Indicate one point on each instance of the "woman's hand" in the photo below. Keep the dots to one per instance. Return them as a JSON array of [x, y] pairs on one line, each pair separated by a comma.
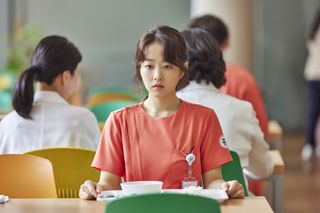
[[233, 188], [90, 190]]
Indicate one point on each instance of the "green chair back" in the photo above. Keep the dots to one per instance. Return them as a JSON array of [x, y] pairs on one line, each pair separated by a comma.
[[163, 202], [5, 102], [233, 171], [102, 111], [104, 94], [71, 167]]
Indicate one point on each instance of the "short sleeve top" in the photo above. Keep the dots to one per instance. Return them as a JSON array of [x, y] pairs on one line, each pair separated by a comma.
[[136, 146]]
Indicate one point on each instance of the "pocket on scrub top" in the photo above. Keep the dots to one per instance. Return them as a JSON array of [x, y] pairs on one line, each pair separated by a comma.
[[179, 168]]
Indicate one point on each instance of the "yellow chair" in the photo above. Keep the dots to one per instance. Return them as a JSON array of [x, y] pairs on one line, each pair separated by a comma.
[[26, 176], [71, 166]]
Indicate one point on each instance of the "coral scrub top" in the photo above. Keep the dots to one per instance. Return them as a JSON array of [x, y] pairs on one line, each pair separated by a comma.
[[136, 146]]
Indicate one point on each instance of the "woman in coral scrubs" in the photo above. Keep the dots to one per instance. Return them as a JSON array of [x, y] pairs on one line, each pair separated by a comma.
[[150, 140]]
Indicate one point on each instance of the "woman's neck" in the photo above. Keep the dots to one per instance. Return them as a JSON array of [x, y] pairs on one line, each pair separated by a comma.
[[160, 107], [52, 88]]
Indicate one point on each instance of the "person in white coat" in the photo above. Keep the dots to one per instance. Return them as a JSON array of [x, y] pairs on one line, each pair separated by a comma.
[[237, 118], [45, 119]]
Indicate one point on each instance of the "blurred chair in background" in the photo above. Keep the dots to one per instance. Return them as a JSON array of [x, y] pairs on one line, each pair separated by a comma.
[[71, 168], [26, 176], [106, 94], [5, 102], [102, 111], [164, 202]]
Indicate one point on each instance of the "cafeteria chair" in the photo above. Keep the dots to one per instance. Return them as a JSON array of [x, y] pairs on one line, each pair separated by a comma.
[[71, 166], [26, 176], [105, 94], [102, 111], [233, 171], [5, 102], [111, 89], [163, 202]]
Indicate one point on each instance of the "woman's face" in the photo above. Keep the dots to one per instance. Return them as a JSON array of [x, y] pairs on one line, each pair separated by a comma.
[[159, 77]]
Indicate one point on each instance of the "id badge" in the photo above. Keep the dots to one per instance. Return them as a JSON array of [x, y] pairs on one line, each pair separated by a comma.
[[189, 181]]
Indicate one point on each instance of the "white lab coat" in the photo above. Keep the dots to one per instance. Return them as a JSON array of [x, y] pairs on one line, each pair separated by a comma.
[[55, 123], [239, 125]]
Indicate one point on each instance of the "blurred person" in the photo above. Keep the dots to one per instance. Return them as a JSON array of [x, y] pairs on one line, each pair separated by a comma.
[[317, 135], [45, 119], [237, 118], [312, 75], [150, 140], [239, 82]]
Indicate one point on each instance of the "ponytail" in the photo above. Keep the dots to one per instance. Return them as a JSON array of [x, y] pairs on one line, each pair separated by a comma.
[[23, 92]]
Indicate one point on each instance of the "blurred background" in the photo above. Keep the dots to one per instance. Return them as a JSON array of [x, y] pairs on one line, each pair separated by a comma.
[[267, 37]]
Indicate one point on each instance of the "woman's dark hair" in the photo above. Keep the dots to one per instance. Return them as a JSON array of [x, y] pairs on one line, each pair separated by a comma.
[[212, 24], [315, 25], [52, 56], [205, 57], [175, 50]]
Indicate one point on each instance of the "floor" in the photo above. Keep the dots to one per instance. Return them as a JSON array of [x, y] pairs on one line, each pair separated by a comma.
[[302, 179]]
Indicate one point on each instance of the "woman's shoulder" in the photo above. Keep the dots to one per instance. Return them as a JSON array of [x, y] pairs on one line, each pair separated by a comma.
[[127, 110], [196, 108], [11, 116]]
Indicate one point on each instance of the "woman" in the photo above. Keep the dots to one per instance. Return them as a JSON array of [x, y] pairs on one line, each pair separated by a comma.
[[150, 141], [45, 119], [239, 124]]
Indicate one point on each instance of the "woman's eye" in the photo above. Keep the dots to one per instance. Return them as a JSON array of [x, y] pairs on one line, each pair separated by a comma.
[[148, 66], [168, 67]]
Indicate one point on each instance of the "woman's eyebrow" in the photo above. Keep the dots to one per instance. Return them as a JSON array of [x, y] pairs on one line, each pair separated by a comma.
[[148, 59]]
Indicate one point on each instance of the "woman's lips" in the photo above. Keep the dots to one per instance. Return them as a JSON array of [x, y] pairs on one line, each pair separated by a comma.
[[157, 86]]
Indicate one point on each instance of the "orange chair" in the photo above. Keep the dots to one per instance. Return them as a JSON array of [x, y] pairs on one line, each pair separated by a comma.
[[103, 98], [26, 176]]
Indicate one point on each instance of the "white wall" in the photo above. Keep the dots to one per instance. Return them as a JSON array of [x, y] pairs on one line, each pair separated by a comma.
[[106, 31], [4, 28], [238, 16]]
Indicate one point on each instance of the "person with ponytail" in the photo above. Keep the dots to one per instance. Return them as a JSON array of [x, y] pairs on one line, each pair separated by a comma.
[[44, 118]]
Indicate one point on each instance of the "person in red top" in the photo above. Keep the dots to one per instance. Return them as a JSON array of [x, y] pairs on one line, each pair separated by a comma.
[[240, 83], [150, 140]]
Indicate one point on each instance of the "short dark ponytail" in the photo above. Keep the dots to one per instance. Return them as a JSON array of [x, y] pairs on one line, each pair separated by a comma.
[[23, 93], [52, 56]]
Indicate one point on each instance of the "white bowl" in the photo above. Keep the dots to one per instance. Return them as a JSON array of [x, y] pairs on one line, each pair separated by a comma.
[[141, 187]]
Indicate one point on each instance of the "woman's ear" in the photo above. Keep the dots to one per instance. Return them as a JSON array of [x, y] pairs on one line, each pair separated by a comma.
[[65, 77], [186, 64]]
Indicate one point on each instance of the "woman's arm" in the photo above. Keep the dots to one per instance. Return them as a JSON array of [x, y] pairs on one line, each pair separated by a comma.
[[213, 179], [90, 189]]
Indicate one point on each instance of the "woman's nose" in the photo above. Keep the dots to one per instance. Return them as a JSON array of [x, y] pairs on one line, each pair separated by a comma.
[[157, 74]]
